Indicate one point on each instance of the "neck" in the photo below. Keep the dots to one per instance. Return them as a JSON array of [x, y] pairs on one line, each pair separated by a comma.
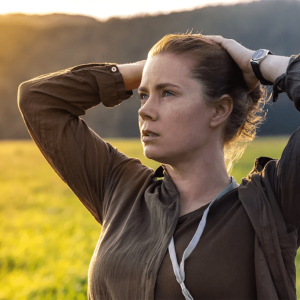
[[199, 180]]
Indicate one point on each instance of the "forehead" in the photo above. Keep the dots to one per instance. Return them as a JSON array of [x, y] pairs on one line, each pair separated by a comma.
[[167, 67]]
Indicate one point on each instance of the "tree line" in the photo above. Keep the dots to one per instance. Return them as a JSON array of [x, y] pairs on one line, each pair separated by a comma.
[[35, 45]]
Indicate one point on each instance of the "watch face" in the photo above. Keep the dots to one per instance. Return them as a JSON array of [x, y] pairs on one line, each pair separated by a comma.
[[259, 54]]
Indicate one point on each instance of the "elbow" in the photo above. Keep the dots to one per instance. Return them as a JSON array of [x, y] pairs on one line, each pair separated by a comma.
[[24, 96]]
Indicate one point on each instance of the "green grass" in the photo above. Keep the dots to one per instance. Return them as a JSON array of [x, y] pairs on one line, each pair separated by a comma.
[[47, 236]]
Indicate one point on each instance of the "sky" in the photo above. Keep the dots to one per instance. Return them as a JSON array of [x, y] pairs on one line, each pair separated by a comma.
[[103, 9]]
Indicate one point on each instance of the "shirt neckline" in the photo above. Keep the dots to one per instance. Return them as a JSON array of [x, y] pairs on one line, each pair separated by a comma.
[[200, 209]]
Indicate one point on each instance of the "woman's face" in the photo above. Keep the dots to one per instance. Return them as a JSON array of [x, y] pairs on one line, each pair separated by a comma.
[[174, 120]]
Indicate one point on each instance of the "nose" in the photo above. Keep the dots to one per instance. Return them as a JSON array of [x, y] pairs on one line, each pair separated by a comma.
[[149, 110]]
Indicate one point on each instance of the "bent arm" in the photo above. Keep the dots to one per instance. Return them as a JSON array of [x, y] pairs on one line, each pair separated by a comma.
[[271, 67], [51, 105], [284, 72]]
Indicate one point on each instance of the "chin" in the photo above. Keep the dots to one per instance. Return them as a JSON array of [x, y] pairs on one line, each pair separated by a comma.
[[157, 155], [153, 154]]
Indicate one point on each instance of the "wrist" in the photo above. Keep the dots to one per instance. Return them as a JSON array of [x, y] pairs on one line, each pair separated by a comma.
[[273, 66]]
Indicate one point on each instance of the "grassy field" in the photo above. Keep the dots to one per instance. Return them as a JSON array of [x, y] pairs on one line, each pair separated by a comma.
[[47, 236]]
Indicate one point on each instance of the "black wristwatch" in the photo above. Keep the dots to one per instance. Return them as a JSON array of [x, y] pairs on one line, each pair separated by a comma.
[[257, 57]]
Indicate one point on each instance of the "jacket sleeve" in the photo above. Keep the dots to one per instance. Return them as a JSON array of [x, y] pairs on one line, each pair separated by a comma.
[[287, 177], [51, 106]]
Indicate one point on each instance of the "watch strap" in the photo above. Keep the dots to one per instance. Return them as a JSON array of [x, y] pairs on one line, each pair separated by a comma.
[[257, 72]]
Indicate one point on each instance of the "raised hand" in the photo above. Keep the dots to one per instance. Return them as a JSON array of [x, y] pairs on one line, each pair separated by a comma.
[[271, 67], [241, 55]]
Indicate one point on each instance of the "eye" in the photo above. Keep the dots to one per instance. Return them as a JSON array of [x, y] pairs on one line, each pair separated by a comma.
[[167, 94], [143, 96]]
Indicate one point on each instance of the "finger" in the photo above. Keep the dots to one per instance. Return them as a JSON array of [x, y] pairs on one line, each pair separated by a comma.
[[216, 38]]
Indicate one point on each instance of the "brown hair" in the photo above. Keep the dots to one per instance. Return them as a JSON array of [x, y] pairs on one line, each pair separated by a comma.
[[220, 75]]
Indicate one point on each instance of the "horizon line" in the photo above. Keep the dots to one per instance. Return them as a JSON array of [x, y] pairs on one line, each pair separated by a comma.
[[135, 15]]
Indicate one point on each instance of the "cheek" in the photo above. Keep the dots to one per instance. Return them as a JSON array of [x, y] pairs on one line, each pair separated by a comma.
[[190, 121], [190, 132]]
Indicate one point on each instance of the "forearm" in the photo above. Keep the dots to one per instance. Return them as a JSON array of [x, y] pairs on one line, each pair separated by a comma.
[[273, 66], [132, 74], [74, 90]]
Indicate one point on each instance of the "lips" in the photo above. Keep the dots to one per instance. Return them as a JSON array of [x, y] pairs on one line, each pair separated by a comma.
[[148, 135]]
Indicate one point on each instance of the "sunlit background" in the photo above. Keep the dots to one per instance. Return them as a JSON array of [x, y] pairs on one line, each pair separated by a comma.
[[102, 9]]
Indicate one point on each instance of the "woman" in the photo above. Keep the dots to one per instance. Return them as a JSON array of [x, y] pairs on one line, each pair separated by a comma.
[[195, 102]]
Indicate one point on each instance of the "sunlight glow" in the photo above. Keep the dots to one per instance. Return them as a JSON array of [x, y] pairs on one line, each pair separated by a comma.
[[103, 9]]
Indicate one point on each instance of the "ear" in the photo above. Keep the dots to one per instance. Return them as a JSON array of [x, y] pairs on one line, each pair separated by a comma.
[[222, 110]]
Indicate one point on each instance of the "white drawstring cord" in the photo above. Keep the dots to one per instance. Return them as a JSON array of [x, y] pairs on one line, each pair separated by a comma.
[[179, 270]]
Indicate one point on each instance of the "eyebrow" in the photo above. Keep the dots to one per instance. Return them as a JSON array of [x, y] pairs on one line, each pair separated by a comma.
[[158, 87]]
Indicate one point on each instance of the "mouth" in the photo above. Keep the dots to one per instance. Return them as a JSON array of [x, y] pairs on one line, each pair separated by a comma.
[[148, 135]]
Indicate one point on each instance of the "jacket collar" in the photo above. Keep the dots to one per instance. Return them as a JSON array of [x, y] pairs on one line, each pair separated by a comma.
[[260, 164], [159, 172]]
